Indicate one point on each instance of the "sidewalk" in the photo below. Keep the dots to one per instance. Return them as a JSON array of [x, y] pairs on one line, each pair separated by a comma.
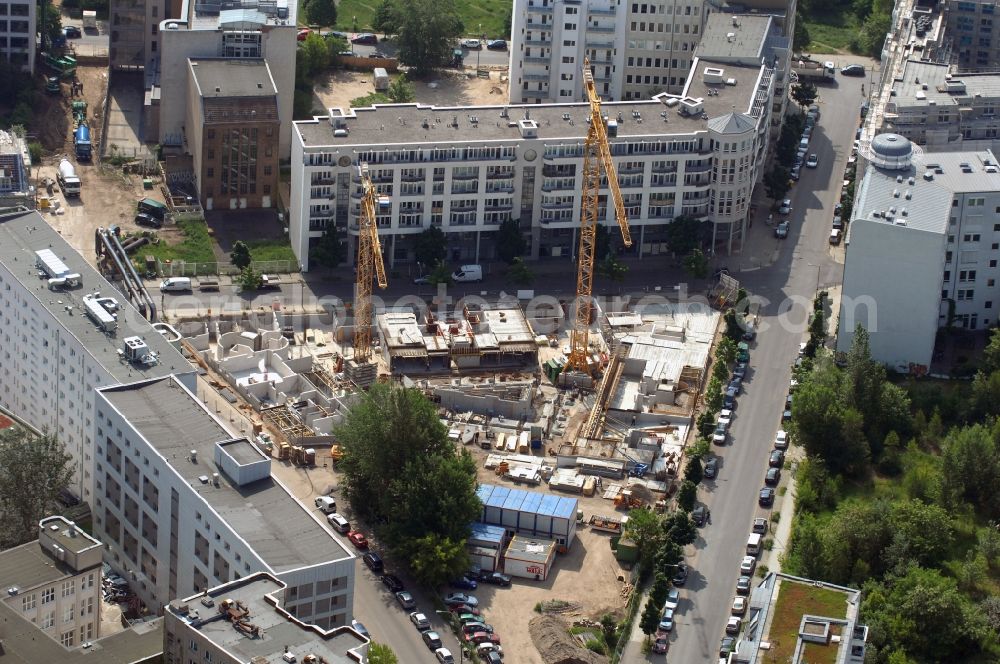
[[783, 530]]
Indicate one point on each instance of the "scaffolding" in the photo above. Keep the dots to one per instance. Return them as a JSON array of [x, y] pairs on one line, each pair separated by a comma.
[[283, 420]]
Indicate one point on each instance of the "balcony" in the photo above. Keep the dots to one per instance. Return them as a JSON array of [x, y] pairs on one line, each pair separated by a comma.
[[537, 59], [320, 179], [607, 29], [505, 174], [538, 42], [537, 94], [611, 11], [597, 42], [694, 168], [531, 25], [465, 207], [665, 169], [630, 170], [538, 9], [535, 77], [601, 60], [557, 206], [499, 188], [410, 177], [461, 175], [505, 207]]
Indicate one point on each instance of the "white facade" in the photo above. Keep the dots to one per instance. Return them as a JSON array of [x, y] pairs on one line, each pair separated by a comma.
[[181, 515], [466, 170], [18, 24], [549, 41], [52, 355], [233, 33], [922, 252], [660, 45]]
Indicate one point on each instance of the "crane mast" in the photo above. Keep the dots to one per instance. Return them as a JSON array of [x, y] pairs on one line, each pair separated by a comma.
[[596, 156], [369, 265]]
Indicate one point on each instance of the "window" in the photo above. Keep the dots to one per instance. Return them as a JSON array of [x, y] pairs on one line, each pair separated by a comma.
[[947, 275], [209, 173], [28, 603], [970, 237], [48, 620], [951, 239], [68, 588], [966, 294], [66, 639], [944, 294], [993, 263], [568, 60], [48, 595], [989, 304], [967, 275], [976, 202], [68, 613]]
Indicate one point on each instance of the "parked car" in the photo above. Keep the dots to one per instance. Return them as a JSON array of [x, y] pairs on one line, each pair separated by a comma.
[[143, 219], [781, 230], [740, 371], [736, 384], [766, 497], [461, 609], [796, 172], [491, 656], [711, 468], [338, 35], [360, 629], [482, 637], [739, 605], [853, 70], [461, 598], [405, 599], [743, 585], [660, 645], [422, 281], [700, 515], [420, 621], [835, 236], [777, 459], [358, 539], [374, 562], [726, 646], [759, 526], [465, 618], [733, 625], [476, 626], [785, 207], [719, 435], [838, 223], [772, 477], [496, 44], [667, 620], [72, 32], [464, 583], [725, 417], [787, 415], [497, 579], [432, 639], [729, 401], [838, 209], [364, 38], [673, 598], [812, 161], [748, 565], [781, 440], [392, 582], [443, 655], [471, 44], [303, 34], [681, 577]]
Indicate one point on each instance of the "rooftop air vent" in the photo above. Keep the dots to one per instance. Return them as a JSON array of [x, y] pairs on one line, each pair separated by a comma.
[[928, 175]]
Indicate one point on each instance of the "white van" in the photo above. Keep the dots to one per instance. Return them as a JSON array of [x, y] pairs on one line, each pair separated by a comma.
[[468, 273], [176, 284], [339, 523], [326, 504], [753, 544]]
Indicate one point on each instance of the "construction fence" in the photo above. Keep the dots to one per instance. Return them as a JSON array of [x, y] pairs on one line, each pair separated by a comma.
[[222, 268]]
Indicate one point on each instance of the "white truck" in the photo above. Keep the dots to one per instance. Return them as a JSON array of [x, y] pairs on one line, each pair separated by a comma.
[[68, 180], [811, 70], [381, 77]]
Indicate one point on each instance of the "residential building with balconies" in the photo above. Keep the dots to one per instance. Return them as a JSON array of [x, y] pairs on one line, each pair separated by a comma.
[[18, 25], [466, 170]]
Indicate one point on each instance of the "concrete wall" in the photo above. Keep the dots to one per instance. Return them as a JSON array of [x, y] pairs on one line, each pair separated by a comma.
[[463, 400]]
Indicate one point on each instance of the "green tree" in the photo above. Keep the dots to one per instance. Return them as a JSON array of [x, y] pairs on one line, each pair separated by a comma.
[[431, 246], [873, 32], [713, 395], [776, 183], [646, 531], [991, 609], [520, 273], [440, 274], [612, 268], [802, 38], [402, 474], [815, 489], [726, 350], [686, 495], [661, 587], [435, 560], [250, 279], [313, 55], [330, 251], [970, 467], [988, 545], [695, 264], [602, 242], [49, 23], [650, 619], [240, 255], [804, 94], [379, 653], [35, 152], [427, 30], [401, 91], [34, 470], [805, 555], [668, 558], [510, 242], [990, 360], [322, 12], [684, 234], [734, 325], [609, 629], [694, 472], [385, 18], [680, 529]]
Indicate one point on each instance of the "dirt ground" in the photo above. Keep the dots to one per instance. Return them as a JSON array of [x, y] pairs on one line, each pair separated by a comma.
[[449, 89], [108, 196]]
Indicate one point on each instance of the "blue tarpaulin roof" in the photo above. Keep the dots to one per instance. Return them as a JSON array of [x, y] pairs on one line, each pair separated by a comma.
[[484, 532], [527, 501]]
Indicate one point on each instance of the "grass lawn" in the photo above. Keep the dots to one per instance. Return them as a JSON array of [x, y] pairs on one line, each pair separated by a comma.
[[829, 34], [196, 247], [271, 250], [795, 600], [492, 14]]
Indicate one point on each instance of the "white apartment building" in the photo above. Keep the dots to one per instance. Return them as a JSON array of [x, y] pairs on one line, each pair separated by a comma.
[[939, 108], [228, 624], [551, 38], [18, 24], [922, 251], [229, 29], [55, 582], [185, 506], [468, 169], [53, 353], [660, 45]]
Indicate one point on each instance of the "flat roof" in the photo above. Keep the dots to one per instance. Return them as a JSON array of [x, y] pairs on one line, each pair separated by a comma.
[[721, 38], [404, 124], [67, 535], [24, 233], [533, 502], [924, 83], [530, 548], [263, 513], [928, 207], [224, 77], [25, 643], [29, 566], [257, 593], [242, 450]]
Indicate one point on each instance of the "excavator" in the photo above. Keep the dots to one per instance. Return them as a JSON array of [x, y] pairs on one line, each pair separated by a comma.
[[596, 157]]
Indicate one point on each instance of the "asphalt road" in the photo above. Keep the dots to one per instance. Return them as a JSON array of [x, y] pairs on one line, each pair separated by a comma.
[[483, 57], [803, 265]]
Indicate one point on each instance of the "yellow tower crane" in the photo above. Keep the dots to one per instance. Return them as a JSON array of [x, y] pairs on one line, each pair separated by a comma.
[[596, 154], [369, 264]]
